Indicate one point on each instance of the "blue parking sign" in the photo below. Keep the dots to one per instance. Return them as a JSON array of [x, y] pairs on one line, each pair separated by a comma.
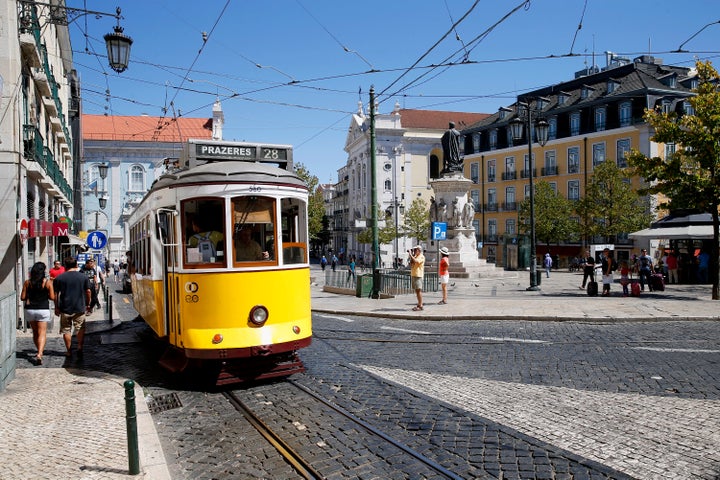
[[439, 230], [96, 240]]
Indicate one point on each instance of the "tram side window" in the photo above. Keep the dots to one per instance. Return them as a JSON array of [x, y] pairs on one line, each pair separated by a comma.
[[204, 231], [253, 229], [294, 235]]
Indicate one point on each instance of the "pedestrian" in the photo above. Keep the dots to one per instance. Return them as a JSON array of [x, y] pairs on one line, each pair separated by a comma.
[[116, 270], [323, 262], [444, 273], [672, 264], [36, 294], [588, 263], [351, 271], [644, 265], [548, 264], [56, 270], [72, 293], [417, 274], [703, 266], [607, 271], [91, 272], [334, 262], [625, 277]]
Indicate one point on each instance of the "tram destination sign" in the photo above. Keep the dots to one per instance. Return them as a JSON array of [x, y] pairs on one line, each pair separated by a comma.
[[196, 152], [241, 152]]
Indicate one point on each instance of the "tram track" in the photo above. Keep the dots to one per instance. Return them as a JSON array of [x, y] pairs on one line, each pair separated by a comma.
[[288, 447]]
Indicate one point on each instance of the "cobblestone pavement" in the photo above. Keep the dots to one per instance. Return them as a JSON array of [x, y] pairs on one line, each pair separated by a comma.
[[633, 398], [496, 397]]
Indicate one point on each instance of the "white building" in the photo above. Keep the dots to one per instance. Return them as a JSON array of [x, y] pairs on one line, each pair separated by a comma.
[[408, 154]]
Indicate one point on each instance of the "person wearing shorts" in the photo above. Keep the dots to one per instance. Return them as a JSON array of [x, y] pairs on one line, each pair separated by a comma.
[[36, 294], [417, 274], [73, 297], [444, 273]]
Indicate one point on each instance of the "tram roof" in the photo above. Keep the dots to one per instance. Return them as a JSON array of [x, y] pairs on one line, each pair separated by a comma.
[[229, 172]]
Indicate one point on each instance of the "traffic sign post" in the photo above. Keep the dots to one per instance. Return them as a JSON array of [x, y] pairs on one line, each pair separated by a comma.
[[96, 240]]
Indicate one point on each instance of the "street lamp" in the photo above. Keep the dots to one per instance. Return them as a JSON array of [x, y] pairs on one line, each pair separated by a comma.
[[118, 44], [399, 209], [525, 118]]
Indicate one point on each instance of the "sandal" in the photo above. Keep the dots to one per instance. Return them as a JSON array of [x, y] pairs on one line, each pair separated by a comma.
[[442, 302], [37, 360], [417, 308]]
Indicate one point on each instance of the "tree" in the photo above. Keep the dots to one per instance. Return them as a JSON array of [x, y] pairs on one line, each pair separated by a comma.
[[316, 204], [553, 215], [386, 234], [610, 205], [691, 176], [417, 220]]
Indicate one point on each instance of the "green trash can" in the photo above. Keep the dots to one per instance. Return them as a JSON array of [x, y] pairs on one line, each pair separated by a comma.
[[364, 285]]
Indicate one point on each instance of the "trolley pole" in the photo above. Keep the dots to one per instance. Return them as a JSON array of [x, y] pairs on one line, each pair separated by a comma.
[[373, 199]]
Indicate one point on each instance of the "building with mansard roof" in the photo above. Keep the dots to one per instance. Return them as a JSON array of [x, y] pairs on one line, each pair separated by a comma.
[[593, 118], [408, 155]]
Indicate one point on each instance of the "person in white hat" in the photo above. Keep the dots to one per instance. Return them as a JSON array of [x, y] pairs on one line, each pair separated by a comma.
[[444, 273], [417, 274]]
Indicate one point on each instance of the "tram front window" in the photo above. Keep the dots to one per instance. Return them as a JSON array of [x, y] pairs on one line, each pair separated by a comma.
[[203, 226], [254, 229]]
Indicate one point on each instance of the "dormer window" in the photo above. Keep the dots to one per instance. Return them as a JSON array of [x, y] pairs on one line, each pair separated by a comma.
[[585, 92], [562, 98], [612, 85], [503, 112]]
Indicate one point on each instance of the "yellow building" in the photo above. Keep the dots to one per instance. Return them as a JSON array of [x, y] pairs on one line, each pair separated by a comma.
[[596, 117]]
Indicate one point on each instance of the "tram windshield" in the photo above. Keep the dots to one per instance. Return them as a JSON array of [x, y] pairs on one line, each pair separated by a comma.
[[253, 229], [203, 226]]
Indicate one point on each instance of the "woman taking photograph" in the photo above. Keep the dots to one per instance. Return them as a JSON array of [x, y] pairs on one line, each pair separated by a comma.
[[36, 295]]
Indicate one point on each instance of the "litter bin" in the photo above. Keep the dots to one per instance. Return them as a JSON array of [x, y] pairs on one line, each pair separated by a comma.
[[364, 285]]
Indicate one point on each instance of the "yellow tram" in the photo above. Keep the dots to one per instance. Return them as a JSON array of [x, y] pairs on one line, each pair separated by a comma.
[[219, 261]]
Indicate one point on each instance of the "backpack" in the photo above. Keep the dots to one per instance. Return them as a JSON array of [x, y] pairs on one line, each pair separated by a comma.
[[206, 247]]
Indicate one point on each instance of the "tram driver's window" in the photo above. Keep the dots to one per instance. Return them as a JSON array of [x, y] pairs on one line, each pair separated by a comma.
[[204, 231], [253, 229]]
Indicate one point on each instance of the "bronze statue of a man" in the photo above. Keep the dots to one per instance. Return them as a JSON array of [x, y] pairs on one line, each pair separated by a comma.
[[451, 150]]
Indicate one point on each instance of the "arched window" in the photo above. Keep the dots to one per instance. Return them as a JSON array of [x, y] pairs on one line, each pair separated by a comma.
[[137, 179]]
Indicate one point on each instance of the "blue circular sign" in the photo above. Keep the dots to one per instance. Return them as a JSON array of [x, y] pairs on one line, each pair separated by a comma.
[[96, 240]]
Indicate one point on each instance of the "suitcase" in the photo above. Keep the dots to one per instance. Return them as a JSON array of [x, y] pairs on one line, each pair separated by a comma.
[[657, 282], [635, 289], [592, 288]]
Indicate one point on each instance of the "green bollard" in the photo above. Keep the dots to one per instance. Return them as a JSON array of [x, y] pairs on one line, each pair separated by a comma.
[[131, 422]]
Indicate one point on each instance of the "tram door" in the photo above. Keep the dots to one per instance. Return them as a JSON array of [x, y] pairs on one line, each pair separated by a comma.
[[167, 230]]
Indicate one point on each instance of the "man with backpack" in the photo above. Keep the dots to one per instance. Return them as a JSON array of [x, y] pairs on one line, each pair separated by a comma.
[[206, 241]]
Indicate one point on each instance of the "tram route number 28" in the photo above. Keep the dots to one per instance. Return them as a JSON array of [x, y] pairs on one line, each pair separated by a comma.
[[272, 154]]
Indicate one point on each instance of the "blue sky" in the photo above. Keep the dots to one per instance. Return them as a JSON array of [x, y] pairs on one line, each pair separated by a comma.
[[293, 71]]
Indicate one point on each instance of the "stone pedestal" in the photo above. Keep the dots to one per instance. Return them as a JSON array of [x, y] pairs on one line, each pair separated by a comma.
[[451, 205]]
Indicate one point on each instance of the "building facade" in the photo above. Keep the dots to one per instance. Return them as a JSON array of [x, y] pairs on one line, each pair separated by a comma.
[[408, 154], [136, 150], [596, 117]]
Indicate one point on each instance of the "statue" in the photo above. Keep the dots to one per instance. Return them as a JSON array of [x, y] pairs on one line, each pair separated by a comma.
[[468, 214], [433, 210], [455, 214], [451, 150], [442, 213]]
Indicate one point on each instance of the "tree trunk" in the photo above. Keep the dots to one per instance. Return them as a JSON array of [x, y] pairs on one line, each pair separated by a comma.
[[714, 254]]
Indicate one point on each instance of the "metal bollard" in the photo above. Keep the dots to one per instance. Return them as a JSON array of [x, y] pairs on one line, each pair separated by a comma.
[[109, 308], [131, 422]]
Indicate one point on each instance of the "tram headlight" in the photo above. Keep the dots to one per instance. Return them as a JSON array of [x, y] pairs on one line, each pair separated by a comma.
[[259, 315]]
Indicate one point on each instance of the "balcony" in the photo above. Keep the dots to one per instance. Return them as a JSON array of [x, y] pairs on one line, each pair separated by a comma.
[[509, 175], [42, 164], [573, 168], [552, 170], [491, 178], [42, 83], [526, 173], [509, 206], [491, 207], [29, 49]]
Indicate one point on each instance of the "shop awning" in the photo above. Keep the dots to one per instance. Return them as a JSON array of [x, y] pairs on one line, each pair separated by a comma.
[[677, 226]]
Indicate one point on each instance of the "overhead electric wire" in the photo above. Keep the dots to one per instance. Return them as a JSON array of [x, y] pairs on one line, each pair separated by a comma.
[[582, 17]]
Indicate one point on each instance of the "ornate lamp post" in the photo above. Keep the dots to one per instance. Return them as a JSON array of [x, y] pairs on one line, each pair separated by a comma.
[[525, 114], [118, 44]]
